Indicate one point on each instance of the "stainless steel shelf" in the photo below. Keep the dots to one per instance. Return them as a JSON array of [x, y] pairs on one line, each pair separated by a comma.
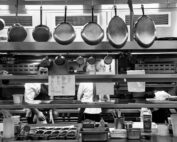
[[91, 105], [53, 47], [100, 78]]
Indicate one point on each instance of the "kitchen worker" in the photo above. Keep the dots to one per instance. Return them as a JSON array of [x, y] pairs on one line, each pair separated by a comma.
[[161, 115], [86, 94], [36, 93]]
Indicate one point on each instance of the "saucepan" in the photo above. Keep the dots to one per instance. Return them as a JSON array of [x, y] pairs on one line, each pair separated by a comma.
[[107, 59], [17, 33], [91, 60], [41, 33], [80, 60], [60, 60], [46, 62]]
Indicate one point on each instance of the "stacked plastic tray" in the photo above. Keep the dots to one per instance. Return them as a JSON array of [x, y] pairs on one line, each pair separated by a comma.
[[49, 133]]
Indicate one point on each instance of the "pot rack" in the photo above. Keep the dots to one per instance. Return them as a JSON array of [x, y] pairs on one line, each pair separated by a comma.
[[159, 47]]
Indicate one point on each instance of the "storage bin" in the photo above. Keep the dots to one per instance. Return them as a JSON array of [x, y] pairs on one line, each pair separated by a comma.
[[94, 136], [133, 133]]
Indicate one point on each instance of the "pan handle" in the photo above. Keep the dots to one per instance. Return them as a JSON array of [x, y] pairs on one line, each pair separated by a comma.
[[92, 13], [131, 19], [65, 14], [142, 7], [41, 15], [16, 13], [115, 10]]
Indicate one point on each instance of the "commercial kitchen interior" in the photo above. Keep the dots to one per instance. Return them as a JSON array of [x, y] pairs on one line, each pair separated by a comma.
[[22, 60]]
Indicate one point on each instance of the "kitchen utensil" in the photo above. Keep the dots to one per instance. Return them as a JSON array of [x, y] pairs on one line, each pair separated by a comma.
[[46, 62], [107, 60], [64, 33], [117, 32], [145, 31], [2, 24], [166, 38], [129, 2], [91, 60], [18, 98], [17, 33], [41, 33], [118, 122], [8, 127], [60, 60], [113, 114], [133, 133], [80, 60], [92, 33]]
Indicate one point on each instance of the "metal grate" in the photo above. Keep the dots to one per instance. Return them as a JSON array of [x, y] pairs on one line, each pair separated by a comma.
[[159, 19], [75, 20], [23, 20]]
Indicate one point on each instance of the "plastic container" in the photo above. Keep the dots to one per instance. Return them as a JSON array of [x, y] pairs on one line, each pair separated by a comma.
[[174, 124], [118, 133], [119, 123], [18, 98], [8, 128], [133, 133], [101, 136]]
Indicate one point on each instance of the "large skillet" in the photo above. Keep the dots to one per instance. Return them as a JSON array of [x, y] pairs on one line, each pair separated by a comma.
[[17, 33], [64, 32], [2, 24], [92, 33], [41, 33], [145, 31], [117, 32]]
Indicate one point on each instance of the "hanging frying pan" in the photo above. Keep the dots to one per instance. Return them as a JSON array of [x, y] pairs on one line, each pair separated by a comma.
[[117, 32], [41, 33], [64, 32], [17, 33], [2, 24], [92, 33], [145, 31]]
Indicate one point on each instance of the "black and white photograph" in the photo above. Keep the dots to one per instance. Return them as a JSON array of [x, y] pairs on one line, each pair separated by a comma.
[[88, 70]]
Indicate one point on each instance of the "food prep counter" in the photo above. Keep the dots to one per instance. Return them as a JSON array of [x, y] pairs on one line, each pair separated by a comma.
[[152, 139]]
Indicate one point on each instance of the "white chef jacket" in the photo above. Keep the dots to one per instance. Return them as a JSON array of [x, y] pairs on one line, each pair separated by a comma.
[[85, 94], [32, 90]]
